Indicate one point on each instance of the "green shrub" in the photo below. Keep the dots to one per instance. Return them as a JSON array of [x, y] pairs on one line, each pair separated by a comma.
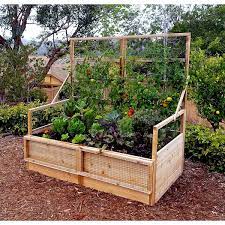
[[13, 119], [79, 138], [59, 125], [207, 146], [208, 85], [76, 126]]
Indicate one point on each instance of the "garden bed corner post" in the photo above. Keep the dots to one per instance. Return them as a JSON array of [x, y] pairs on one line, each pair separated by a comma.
[[154, 158]]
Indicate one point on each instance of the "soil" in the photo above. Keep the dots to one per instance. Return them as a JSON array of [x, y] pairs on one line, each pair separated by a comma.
[[26, 195]]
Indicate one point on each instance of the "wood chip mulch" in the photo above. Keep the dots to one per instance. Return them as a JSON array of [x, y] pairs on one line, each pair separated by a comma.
[[26, 195]]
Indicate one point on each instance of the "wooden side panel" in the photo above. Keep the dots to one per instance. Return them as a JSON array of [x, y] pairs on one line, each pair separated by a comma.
[[117, 169], [116, 190], [61, 175], [91, 183], [52, 154], [169, 165], [128, 177]]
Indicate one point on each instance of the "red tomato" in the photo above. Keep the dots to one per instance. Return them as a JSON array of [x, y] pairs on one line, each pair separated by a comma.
[[130, 112]]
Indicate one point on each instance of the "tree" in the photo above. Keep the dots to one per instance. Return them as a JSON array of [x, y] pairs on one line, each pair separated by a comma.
[[207, 84], [14, 18], [206, 24], [161, 18], [19, 74], [78, 19]]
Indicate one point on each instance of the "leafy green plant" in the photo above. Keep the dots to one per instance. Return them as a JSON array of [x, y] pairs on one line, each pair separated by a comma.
[[126, 126], [113, 116], [89, 117], [70, 108], [206, 145], [65, 137], [96, 128], [75, 126], [59, 125], [79, 138]]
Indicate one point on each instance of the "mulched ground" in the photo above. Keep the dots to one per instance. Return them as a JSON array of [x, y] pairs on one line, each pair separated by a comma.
[[25, 195]]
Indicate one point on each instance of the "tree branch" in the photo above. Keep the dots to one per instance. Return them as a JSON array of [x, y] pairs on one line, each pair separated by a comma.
[[56, 54]]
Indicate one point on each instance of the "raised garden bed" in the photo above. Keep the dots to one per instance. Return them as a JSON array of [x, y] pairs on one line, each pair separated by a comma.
[[129, 176], [136, 178]]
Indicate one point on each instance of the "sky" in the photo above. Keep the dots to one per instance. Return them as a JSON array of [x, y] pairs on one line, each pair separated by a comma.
[[33, 31]]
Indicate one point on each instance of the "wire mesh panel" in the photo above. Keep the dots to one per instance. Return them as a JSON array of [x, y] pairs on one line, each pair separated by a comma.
[[119, 170]]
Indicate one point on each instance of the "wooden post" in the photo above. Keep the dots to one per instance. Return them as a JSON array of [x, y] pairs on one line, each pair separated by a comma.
[[72, 65], [29, 122], [123, 49], [187, 55], [154, 158], [26, 148], [80, 164], [183, 117], [183, 123]]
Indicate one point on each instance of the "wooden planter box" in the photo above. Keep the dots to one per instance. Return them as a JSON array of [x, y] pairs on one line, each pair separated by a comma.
[[132, 177]]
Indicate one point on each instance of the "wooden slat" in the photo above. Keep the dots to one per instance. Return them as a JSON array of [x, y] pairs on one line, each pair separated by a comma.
[[61, 87], [41, 129], [116, 190], [132, 36], [85, 174], [154, 158], [183, 119], [126, 157], [187, 55], [182, 96], [29, 122], [80, 164], [168, 120], [140, 60], [52, 166], [53, 154], [46, 106], [51, 172], [26, 148], [154, 143], [169, 165]]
